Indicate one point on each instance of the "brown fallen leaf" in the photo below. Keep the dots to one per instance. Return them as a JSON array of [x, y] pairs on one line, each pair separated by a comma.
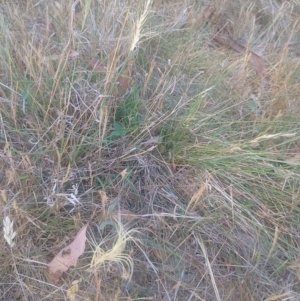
[[223, 38], [125, 82], [73, 53], [208, 11], [67, 257], [97, 65]]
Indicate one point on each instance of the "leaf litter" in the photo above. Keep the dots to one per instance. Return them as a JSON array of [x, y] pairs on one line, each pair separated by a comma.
[[67, 257], [223, 38]]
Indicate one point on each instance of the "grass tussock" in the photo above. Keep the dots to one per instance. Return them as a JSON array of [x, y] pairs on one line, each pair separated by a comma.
[[180, 149]]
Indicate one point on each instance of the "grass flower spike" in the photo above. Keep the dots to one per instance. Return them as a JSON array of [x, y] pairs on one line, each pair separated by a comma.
[[8, 230]]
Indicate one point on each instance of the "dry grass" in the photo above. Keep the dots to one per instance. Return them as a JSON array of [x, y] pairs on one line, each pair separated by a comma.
[[186, 156]]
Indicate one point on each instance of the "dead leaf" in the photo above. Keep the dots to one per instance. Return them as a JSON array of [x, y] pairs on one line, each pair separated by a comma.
[[73, 53], [97, 65], [124, 173], [67, 257], [257, 62], [208, 11], [153, 140], [223, 38], [124, 82], [72, 290], [176, 286]]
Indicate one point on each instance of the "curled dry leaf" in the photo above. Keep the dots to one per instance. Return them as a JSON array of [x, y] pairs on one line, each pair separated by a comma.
[[124, 82], [67, 257], [72, 290], [97, 65], [73, 53], [124, 173], [223, 38]]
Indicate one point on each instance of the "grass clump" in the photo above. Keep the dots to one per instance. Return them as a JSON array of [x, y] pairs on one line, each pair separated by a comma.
[[179, 148]]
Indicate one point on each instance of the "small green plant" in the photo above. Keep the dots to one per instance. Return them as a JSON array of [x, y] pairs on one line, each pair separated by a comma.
[[118, 131], [128, 113]]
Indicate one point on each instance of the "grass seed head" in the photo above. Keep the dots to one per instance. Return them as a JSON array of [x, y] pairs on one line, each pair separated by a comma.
[[8, 231]]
